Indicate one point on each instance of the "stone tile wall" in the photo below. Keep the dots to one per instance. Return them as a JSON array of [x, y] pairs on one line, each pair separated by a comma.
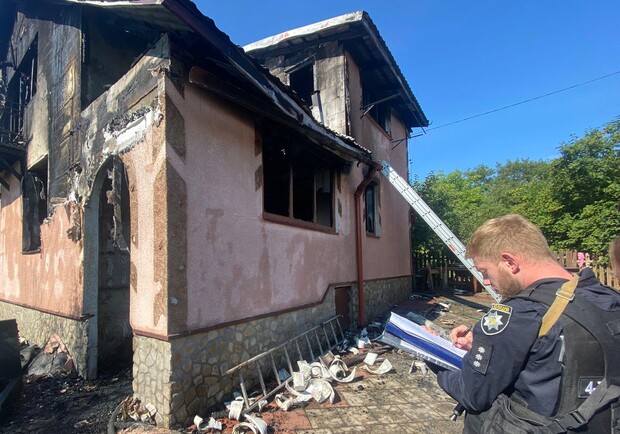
[[37, 327], [380, 295], [187, 376]]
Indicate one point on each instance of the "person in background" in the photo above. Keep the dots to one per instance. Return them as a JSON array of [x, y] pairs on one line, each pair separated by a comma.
[[506, 356], [614, 257], [581, 259]]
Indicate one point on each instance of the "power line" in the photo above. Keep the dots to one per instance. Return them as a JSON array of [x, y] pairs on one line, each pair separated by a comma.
[[524, 101]]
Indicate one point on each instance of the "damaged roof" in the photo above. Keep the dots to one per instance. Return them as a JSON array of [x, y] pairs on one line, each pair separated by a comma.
[[357, 32], [182, 17]]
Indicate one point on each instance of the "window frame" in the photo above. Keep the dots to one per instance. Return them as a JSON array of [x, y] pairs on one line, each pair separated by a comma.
[[374, 188], [291, 154]]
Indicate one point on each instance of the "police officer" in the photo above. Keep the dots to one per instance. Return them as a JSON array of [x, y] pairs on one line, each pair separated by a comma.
[[505, 354]]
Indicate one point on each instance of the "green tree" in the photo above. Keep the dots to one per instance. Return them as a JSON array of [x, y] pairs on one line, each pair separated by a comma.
[[586, 183], [460, 200], [574, 198]]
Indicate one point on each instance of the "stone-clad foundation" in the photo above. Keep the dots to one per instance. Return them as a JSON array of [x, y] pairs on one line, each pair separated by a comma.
[[36, 327], [185, 376]]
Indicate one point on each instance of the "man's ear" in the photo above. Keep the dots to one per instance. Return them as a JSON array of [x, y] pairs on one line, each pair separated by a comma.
[[511, 262]]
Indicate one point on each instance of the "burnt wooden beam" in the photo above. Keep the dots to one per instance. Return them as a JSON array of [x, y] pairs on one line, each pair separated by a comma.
[[5, 184], [10, 168]]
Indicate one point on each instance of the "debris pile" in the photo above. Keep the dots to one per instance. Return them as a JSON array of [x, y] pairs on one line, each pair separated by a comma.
[[131, 414], [54, 359], [310, 383]]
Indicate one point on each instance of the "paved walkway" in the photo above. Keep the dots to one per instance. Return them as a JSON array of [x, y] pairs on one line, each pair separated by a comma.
[[397, 402]]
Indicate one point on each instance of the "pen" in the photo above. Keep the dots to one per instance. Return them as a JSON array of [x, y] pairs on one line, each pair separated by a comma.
[[467, 330]]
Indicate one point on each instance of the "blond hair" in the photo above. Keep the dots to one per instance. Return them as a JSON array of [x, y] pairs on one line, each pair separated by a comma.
[[614, 256], [511, 233]]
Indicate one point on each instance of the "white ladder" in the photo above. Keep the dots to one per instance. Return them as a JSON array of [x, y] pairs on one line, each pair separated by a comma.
[[434, 222]]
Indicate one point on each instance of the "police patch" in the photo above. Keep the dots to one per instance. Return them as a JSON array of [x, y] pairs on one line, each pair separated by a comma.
[[496, 320], [480, 355]]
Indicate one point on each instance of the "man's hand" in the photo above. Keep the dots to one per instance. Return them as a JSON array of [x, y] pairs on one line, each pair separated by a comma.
[[462, 337], [430, 330]]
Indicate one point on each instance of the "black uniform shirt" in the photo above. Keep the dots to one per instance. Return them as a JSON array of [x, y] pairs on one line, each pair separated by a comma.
[[508, 355]]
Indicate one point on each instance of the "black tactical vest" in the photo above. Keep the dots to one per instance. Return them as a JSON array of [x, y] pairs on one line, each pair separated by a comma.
[[591, 354]]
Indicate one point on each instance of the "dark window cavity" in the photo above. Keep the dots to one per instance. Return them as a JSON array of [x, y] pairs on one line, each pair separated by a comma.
[[111, 45], [34, 202], [298, 178], [371, 208], [20, 91], [378, 107], [301, 80]]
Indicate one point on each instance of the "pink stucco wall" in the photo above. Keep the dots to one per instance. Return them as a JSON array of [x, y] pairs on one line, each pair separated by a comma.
[[390, 254], [148, 294], [50, 280], [240, 265]]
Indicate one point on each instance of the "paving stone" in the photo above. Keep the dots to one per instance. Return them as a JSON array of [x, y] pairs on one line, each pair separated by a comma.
[[316, 431], [356, 416], [388, 414], [325, 418]]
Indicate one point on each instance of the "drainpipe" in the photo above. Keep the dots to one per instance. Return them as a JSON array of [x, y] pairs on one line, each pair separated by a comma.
[[374, 168]]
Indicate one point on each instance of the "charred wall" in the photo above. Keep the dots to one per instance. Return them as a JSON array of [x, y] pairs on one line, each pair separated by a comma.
[[52, 116], [328, 70]]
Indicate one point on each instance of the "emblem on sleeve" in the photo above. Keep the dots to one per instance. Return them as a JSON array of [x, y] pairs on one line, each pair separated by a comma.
[[480, 356], [496, 320]]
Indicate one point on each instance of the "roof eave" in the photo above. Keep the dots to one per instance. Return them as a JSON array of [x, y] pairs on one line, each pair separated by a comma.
[[344, 25]]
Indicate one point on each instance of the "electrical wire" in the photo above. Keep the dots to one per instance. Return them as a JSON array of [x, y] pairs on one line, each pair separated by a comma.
[[524, 101]]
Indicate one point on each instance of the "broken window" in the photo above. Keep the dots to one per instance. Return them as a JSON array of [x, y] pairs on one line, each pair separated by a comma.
[[34, 206], [111, 45], [371, 209], [378, 108], [301, 80], [381, 113], [298, 179], [21, 89]]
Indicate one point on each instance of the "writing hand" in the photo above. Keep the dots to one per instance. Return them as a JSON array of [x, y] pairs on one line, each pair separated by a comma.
[[462, 337]]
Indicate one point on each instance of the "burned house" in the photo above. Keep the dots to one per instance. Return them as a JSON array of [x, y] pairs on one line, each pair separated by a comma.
[[177, 203]]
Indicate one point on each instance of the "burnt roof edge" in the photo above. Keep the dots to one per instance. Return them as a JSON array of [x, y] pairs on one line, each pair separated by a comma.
[[189, 14], [206, 28], [361, 17]]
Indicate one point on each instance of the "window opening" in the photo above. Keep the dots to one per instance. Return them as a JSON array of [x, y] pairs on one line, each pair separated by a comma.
[[34, 206], [111, 45], [20, 91], [303, 192], [277, 179], [301, 81], [371, 210], [298, 183], [324, 197], [379, 109]]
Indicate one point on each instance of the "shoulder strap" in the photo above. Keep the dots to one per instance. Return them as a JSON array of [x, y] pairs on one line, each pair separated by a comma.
[[604, 327], [600, 398], [563, 296]]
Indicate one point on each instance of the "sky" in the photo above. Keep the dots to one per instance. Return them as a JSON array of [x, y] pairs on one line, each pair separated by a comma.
[[462, 59]]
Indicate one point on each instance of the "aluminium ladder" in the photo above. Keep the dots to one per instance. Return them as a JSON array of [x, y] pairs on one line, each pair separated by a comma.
[[314, 343], [434, 222]]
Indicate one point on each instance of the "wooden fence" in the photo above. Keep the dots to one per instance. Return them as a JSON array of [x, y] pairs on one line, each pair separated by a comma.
[[433, 272]]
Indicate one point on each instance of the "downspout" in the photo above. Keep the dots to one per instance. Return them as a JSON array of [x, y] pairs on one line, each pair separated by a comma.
[[374, 168]]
